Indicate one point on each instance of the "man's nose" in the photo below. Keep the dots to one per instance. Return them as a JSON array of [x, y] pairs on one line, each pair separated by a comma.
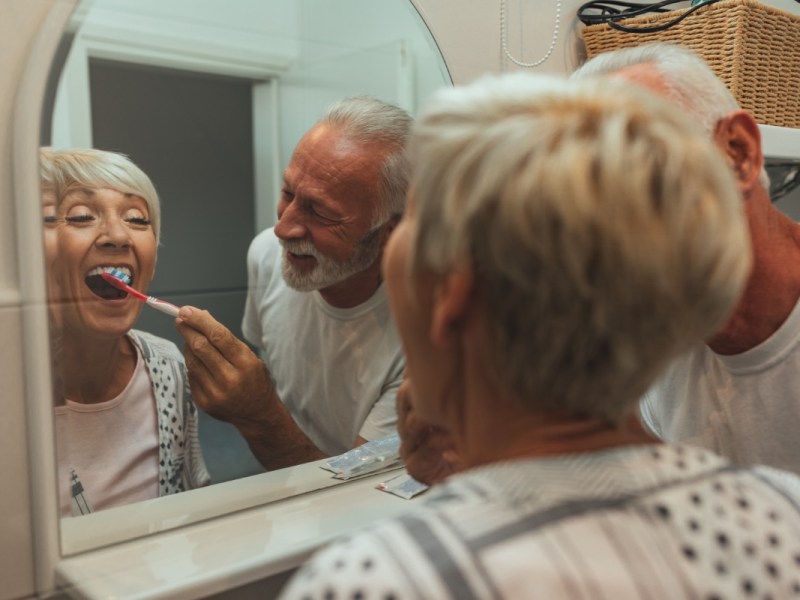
[[291, 222]]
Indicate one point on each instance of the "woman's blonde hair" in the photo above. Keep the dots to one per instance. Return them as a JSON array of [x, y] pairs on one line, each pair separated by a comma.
[[604, 233], [64, 170]]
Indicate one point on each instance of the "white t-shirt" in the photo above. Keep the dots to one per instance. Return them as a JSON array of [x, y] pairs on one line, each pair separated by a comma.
[[336, 370], [112, 446], [745, 406]]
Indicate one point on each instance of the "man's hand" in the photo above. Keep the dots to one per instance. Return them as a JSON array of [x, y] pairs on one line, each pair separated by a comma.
[[227, 379], [232, 384], [427, 451]]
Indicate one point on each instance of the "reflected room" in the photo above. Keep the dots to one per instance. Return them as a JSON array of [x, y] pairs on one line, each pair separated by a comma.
[[205, 101]]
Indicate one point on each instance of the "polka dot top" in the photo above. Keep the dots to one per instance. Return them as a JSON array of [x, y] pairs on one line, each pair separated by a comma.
[[637, 522]]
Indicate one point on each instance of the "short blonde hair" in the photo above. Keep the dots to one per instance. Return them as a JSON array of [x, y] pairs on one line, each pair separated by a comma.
[[604, 233], [64, 170]]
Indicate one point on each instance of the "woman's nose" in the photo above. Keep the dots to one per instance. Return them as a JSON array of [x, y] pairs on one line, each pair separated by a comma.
[[114, 234]]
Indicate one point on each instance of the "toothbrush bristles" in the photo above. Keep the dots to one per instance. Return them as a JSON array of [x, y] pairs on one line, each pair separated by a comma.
[[123, 277]]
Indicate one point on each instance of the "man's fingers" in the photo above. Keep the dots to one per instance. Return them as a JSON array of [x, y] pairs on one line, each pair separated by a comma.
[[205, 387], [214, 338], [199, 351], [196, 367]]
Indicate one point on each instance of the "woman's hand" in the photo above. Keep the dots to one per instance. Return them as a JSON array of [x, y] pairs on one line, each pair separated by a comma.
[[428, 451]]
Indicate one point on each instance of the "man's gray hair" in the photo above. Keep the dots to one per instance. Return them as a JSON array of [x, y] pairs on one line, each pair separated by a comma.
[[602, 230], [367, 120], [690, 82]]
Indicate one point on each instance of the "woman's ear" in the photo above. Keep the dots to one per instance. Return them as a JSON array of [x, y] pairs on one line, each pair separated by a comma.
[[739, 138], [452, 302]]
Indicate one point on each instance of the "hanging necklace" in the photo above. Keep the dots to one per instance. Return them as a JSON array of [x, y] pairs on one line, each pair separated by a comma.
[[504, 37]]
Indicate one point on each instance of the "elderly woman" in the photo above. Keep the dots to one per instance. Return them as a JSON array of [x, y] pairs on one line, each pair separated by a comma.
[[126, 426], [563, 242]]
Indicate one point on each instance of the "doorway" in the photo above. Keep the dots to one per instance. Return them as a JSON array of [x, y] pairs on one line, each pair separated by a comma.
[[192, 133]]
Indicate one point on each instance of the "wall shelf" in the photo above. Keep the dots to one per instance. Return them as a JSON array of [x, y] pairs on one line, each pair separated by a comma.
[[780, 142]]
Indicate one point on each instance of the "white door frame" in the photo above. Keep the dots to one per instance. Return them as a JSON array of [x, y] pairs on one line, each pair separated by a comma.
[[72, 120]]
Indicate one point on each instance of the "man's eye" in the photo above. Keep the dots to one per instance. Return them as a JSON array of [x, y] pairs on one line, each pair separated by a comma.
[[322, 217], [79, 219], [50, 219]]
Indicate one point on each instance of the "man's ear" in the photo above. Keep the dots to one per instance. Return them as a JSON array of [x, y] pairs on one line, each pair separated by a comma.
[[452, 302], [739, 138], [388, 228]]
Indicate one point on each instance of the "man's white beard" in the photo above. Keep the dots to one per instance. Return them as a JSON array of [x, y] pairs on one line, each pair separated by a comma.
[[328, 271]]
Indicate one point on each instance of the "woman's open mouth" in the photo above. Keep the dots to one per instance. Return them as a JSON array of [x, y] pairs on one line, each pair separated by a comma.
[[100, 287]]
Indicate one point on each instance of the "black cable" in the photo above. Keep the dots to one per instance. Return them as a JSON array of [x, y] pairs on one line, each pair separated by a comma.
[[612, 11], [784, 177]]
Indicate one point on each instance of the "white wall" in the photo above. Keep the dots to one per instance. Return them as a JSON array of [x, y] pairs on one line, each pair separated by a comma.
[[350, 47], [306, 53], [468, 33], [469, 39]]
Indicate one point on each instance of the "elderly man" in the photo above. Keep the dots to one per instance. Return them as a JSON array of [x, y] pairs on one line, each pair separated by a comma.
[[540, 284], [735, 394], [316, 305]]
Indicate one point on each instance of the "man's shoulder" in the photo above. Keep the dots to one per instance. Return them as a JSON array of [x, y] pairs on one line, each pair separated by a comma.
[[264, 244], [263, 260], [677, 372]]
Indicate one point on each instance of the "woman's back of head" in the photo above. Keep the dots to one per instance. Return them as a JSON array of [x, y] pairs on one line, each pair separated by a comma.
[[604, 233]]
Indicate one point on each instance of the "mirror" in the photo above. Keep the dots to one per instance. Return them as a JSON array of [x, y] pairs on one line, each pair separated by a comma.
[[208, 99]]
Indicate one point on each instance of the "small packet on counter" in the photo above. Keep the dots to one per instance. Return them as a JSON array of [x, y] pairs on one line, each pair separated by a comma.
[[371, 457], [402, 485]]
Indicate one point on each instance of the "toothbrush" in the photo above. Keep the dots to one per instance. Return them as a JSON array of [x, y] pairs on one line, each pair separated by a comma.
[[118, 280]]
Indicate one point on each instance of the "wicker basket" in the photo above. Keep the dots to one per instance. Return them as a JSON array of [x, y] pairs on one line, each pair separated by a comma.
[[753, 48]]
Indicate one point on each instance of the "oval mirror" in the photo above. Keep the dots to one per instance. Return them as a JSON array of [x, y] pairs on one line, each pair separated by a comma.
[[209, 99]]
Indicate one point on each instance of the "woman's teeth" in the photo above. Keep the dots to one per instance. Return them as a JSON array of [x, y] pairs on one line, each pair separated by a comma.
[[125, 271], [102, 288]]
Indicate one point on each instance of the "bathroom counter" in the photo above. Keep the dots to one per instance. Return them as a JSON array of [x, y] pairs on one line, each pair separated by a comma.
[[214, 555]]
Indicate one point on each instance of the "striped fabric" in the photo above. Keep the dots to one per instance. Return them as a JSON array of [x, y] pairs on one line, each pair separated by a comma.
[[180, 458], [181, 464], [639, 522]]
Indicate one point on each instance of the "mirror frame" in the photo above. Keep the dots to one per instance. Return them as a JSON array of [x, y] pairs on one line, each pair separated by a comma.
[[55, 538]]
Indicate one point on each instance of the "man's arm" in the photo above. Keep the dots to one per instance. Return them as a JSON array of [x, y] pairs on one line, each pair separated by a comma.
[[232, 384]]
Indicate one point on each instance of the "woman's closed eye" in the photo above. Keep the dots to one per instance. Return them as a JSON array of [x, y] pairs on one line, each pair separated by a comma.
[[136, 216], [79, 214], [84, 218]]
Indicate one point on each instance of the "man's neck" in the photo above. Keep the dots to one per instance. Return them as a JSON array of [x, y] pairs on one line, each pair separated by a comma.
[[772, 290], [356, 289]]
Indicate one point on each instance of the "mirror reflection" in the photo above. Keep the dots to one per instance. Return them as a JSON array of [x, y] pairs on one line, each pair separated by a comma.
[[205, 120], [126, 426], [316, 305]]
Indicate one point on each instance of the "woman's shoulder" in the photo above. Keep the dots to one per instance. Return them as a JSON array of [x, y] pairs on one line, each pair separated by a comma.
[[152, 345]]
